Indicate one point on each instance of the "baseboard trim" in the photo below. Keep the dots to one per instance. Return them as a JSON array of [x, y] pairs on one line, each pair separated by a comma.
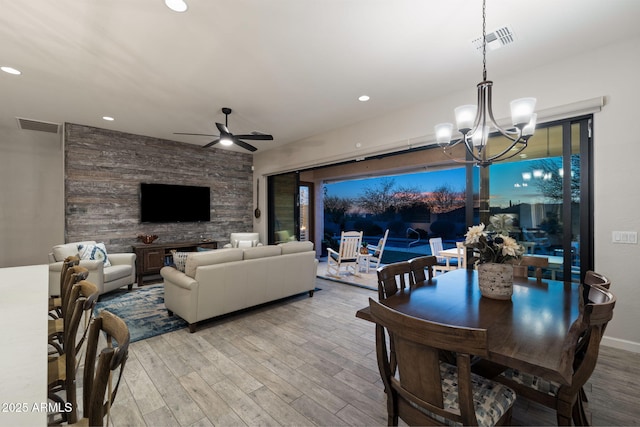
[[621, 344]]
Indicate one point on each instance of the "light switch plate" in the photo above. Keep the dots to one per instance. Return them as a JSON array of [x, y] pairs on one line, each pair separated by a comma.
[[628, 237]]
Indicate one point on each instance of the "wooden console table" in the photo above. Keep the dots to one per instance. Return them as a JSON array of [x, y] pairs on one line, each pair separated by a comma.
[[150, 258]]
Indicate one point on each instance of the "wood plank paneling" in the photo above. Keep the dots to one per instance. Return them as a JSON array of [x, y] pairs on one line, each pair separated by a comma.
[[103, 172]]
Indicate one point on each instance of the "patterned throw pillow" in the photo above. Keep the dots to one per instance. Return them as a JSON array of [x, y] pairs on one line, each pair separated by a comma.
[[94, 252], [180, 259]]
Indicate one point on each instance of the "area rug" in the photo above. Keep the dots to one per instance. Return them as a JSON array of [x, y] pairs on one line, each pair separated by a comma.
[[143, 310]]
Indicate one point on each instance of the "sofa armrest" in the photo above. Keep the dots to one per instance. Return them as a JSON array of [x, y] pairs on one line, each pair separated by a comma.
[[177, 278], [122, 259]]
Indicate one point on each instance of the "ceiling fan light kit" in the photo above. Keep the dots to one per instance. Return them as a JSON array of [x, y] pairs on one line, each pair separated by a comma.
[[226, 138], [475, 122]]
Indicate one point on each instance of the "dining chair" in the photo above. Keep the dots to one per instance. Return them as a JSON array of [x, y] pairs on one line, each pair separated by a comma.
[[347, 254], [61, 370], [418, 266], [435, 243], [101, 366], [377, 250], [582, 348], [521, 267], [55, 326], [55, 301], [393, 278], [427, 391]]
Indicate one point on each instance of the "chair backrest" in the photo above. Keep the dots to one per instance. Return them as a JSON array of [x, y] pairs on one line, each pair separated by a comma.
[[244, 240], [393, 278], [381, 243], [418, 344], [350, 242], [596, 313], [68, 262], [82, 299], [593, 278], [74, 275], [99, 368], [436, 246], [419, 265], [526, 261]]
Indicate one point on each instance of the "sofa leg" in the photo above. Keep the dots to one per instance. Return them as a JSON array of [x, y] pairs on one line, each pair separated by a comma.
[[170, 312], [311, 293], [192, 327], [130, 286]]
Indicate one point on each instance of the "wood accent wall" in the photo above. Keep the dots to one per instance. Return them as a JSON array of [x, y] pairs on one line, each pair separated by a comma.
[[103, 172]]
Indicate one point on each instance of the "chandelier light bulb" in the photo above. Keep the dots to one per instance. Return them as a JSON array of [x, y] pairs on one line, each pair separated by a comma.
[[522, 110], [443, 133], [465, 117]]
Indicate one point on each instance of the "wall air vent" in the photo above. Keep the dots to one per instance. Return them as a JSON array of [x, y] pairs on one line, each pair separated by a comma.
[[39, 125], [495, 39]]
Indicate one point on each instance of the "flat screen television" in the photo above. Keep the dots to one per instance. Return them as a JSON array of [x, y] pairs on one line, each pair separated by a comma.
[[174, 203]]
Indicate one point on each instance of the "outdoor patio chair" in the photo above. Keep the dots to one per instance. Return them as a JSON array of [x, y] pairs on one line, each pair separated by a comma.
[[436, 246], [347, 254], [377, 250]]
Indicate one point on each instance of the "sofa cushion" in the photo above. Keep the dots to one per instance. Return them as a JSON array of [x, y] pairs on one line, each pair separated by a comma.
[[95, 251], [116, 272], [243, 243], [60, 252], [180, 259], [295, 247], [212, 257], [262, 252]]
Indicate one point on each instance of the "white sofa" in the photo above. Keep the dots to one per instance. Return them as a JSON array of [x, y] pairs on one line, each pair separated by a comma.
[[122, 271], [222, 281]]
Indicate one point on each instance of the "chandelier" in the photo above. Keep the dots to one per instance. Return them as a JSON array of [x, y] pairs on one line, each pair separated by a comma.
[[475, 122]]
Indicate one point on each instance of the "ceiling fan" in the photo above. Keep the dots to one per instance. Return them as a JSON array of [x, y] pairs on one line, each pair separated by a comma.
[[227, 138]]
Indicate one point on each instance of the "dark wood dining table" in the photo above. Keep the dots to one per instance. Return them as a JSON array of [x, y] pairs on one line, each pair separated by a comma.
[[530, 332]]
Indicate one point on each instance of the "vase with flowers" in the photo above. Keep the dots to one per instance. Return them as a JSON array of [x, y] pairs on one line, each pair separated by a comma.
[[494, 254]]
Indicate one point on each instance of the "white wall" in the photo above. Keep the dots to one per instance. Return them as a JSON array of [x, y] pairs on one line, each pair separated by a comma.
[[31, 196], [608, 72]]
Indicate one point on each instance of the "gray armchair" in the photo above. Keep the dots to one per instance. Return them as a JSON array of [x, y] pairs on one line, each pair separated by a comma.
[[121, 272]]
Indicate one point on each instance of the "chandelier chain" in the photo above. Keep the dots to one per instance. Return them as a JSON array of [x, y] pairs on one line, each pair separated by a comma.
[[484, 40]]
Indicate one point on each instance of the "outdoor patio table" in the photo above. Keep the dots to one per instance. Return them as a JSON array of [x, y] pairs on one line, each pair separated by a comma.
[[526, 332]]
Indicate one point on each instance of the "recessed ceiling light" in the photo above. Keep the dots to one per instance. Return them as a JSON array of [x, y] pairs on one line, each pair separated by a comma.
[[176, 5], [11, 70], [364, 98], [107, 118]]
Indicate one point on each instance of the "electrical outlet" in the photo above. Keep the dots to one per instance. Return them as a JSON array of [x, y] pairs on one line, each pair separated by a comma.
[[628, 237]]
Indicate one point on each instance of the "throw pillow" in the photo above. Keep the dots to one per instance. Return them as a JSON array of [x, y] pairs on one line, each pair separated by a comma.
[[245, 243], [94, 252], [180, 259]]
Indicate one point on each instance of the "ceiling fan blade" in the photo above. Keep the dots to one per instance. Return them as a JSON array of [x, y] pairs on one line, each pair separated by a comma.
[[196, 134], [222, 128], [257, 137], [214, 142], [244, 144]]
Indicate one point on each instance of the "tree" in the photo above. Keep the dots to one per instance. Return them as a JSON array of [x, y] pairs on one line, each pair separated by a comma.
[[551, 185], [444, 199], [385, 197], [335, 208]]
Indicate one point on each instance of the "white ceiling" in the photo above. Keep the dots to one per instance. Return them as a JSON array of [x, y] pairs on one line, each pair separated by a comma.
[[292, 68]]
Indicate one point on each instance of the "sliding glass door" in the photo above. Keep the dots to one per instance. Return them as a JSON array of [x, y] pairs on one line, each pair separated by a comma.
[[546, 193], [284, 208]]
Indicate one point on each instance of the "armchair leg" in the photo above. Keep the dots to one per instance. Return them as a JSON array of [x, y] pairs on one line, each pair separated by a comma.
[[129, 287]]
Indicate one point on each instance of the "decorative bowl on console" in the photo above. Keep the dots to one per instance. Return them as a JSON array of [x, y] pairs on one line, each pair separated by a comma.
[[147, 238]]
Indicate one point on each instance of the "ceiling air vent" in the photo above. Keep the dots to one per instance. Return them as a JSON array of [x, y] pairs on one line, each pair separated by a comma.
[[39, 125], [495, 39]]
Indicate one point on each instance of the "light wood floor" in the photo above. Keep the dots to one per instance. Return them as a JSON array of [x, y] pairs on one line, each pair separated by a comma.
[[305, 361]]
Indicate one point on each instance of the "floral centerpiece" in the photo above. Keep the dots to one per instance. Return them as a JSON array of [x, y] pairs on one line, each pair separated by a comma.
[[494, 254], [492, 248]]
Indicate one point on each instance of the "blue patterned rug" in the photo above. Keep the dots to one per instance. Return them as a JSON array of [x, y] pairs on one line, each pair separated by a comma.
[[143, 311]]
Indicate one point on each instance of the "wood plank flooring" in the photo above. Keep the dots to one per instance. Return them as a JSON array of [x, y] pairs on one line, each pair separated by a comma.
[[304, 362]]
